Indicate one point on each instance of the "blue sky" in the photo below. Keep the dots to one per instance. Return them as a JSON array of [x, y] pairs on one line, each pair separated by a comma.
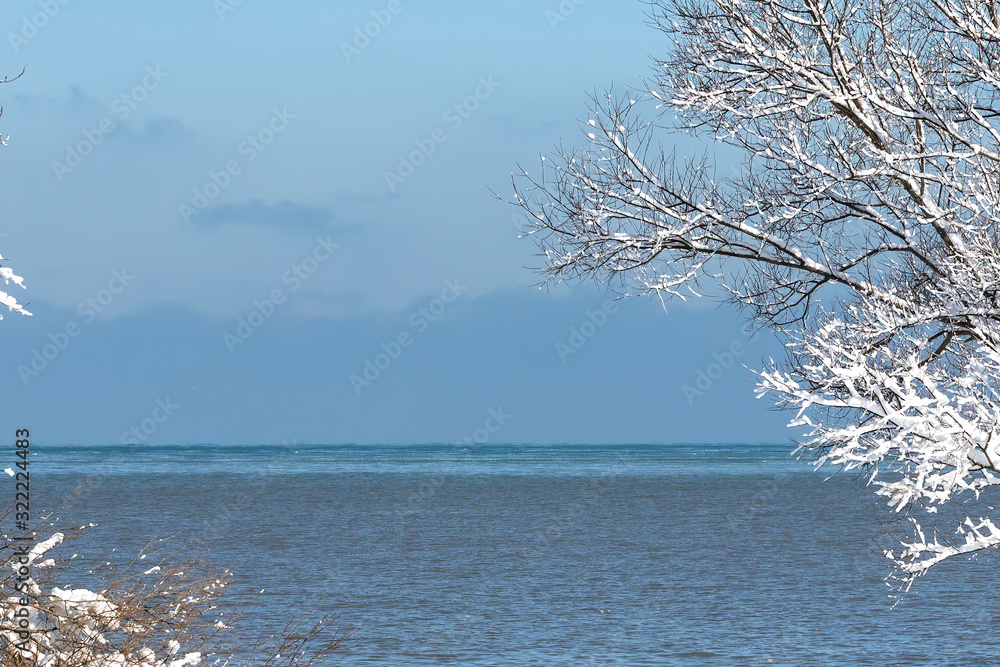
[[222, 223]]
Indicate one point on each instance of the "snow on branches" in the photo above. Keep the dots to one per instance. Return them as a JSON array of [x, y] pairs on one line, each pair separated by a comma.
[[135, 622], [6, 273], [861, 225], [874, 395], [167, 614], [8, 276]]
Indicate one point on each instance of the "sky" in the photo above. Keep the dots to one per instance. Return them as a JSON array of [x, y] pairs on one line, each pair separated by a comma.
[[242, 222]]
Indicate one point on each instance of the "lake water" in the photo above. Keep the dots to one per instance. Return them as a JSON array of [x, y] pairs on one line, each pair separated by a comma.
[[540, 555]]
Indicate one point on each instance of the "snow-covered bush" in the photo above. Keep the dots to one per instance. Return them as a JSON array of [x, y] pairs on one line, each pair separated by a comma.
[[153, 612]]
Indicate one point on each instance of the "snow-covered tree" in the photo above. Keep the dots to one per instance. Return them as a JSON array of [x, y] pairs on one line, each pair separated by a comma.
[[860, 225]]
